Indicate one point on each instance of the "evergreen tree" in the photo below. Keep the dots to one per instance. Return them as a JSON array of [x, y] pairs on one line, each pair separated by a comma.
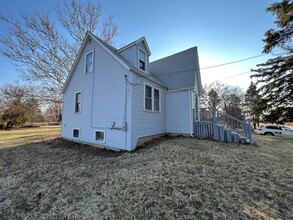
[[233, 105], [276, 75], [252, 104]]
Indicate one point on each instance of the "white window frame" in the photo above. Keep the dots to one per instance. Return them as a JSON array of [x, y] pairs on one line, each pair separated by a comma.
[[78, 133], [153, 88], [144, 97], [85, 63], [100, 141], [74, 98], [145, 63]]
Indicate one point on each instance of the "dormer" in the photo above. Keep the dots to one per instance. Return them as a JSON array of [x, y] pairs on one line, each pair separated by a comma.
[[137, 53]]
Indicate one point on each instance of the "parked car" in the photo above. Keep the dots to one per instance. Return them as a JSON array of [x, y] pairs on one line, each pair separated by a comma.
[[273, 130]]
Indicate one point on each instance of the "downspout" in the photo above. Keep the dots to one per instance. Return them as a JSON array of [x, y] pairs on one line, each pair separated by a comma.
[[190, 114], [125, 113]]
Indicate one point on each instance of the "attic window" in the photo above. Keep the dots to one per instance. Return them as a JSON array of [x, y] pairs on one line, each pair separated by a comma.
[[141, 59], [89, 58]]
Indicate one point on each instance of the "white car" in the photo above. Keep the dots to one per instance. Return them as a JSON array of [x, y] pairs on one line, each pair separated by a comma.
[[273, 130]]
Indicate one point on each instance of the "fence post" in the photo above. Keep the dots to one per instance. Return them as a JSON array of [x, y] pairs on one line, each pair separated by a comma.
[[229, 135], [249, 132]]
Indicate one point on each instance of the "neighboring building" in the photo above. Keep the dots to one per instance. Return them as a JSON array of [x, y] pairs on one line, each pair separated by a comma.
[[117, 99]]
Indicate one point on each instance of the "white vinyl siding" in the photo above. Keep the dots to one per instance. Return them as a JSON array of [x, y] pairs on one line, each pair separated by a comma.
[[145, 122], [178, 112], [98, 113], [89, 62]]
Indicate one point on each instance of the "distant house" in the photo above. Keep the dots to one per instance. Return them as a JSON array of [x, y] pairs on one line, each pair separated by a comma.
[[115, 98]]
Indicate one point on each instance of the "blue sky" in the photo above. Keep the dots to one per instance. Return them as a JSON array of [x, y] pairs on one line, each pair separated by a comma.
[[223, 30]]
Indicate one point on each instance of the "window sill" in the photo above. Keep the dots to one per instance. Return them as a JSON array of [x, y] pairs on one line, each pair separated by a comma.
[[150, 111], [143, 70], [99, 142], [88, 73]]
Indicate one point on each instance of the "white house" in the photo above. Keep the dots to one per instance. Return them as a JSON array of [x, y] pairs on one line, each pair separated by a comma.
[[117, 99]]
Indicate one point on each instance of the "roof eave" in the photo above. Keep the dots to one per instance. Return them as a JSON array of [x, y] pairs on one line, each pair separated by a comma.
[[142, 39], [148, 77]]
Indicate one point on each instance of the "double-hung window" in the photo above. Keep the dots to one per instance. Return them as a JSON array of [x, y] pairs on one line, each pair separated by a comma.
[[156, 100], [141, 59], [148, 98], [77, 102], [89, 62], [151, 99]]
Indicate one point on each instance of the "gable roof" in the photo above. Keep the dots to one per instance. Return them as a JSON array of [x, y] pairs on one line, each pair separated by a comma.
[[114, 53], [178, 71], [142, 40]]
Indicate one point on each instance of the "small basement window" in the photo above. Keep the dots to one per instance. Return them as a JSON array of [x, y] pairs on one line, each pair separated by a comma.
[[75, 133], [141, 59], [100, 136]]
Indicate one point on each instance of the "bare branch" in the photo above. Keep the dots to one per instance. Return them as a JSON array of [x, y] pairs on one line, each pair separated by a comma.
[[42, 51]]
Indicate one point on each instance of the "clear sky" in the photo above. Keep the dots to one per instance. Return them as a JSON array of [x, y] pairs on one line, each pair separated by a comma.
[[223, 31]]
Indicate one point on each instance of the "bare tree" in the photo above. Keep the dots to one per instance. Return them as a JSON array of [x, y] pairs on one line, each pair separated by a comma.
[[18, 105], [223, 97], [43, 51]]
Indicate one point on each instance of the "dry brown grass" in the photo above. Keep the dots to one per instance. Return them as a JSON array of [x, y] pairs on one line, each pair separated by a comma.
[[10, 138], [180, 178]]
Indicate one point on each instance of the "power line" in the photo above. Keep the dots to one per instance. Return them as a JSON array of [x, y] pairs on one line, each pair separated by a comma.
[[209, 67], [214, 66], [237, 61], [232, 76]]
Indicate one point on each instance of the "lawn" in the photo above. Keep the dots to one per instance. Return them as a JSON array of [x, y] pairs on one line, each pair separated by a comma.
[[181, 178], [28, 135]]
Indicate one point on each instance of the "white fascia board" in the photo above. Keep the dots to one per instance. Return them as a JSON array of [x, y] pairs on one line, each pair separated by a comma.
[[137, 72], [81, 49], [197, 72], [146, 45], [142, 39], [181, 89]]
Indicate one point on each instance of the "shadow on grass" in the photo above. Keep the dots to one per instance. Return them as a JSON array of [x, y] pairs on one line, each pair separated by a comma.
[[66, 145]]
